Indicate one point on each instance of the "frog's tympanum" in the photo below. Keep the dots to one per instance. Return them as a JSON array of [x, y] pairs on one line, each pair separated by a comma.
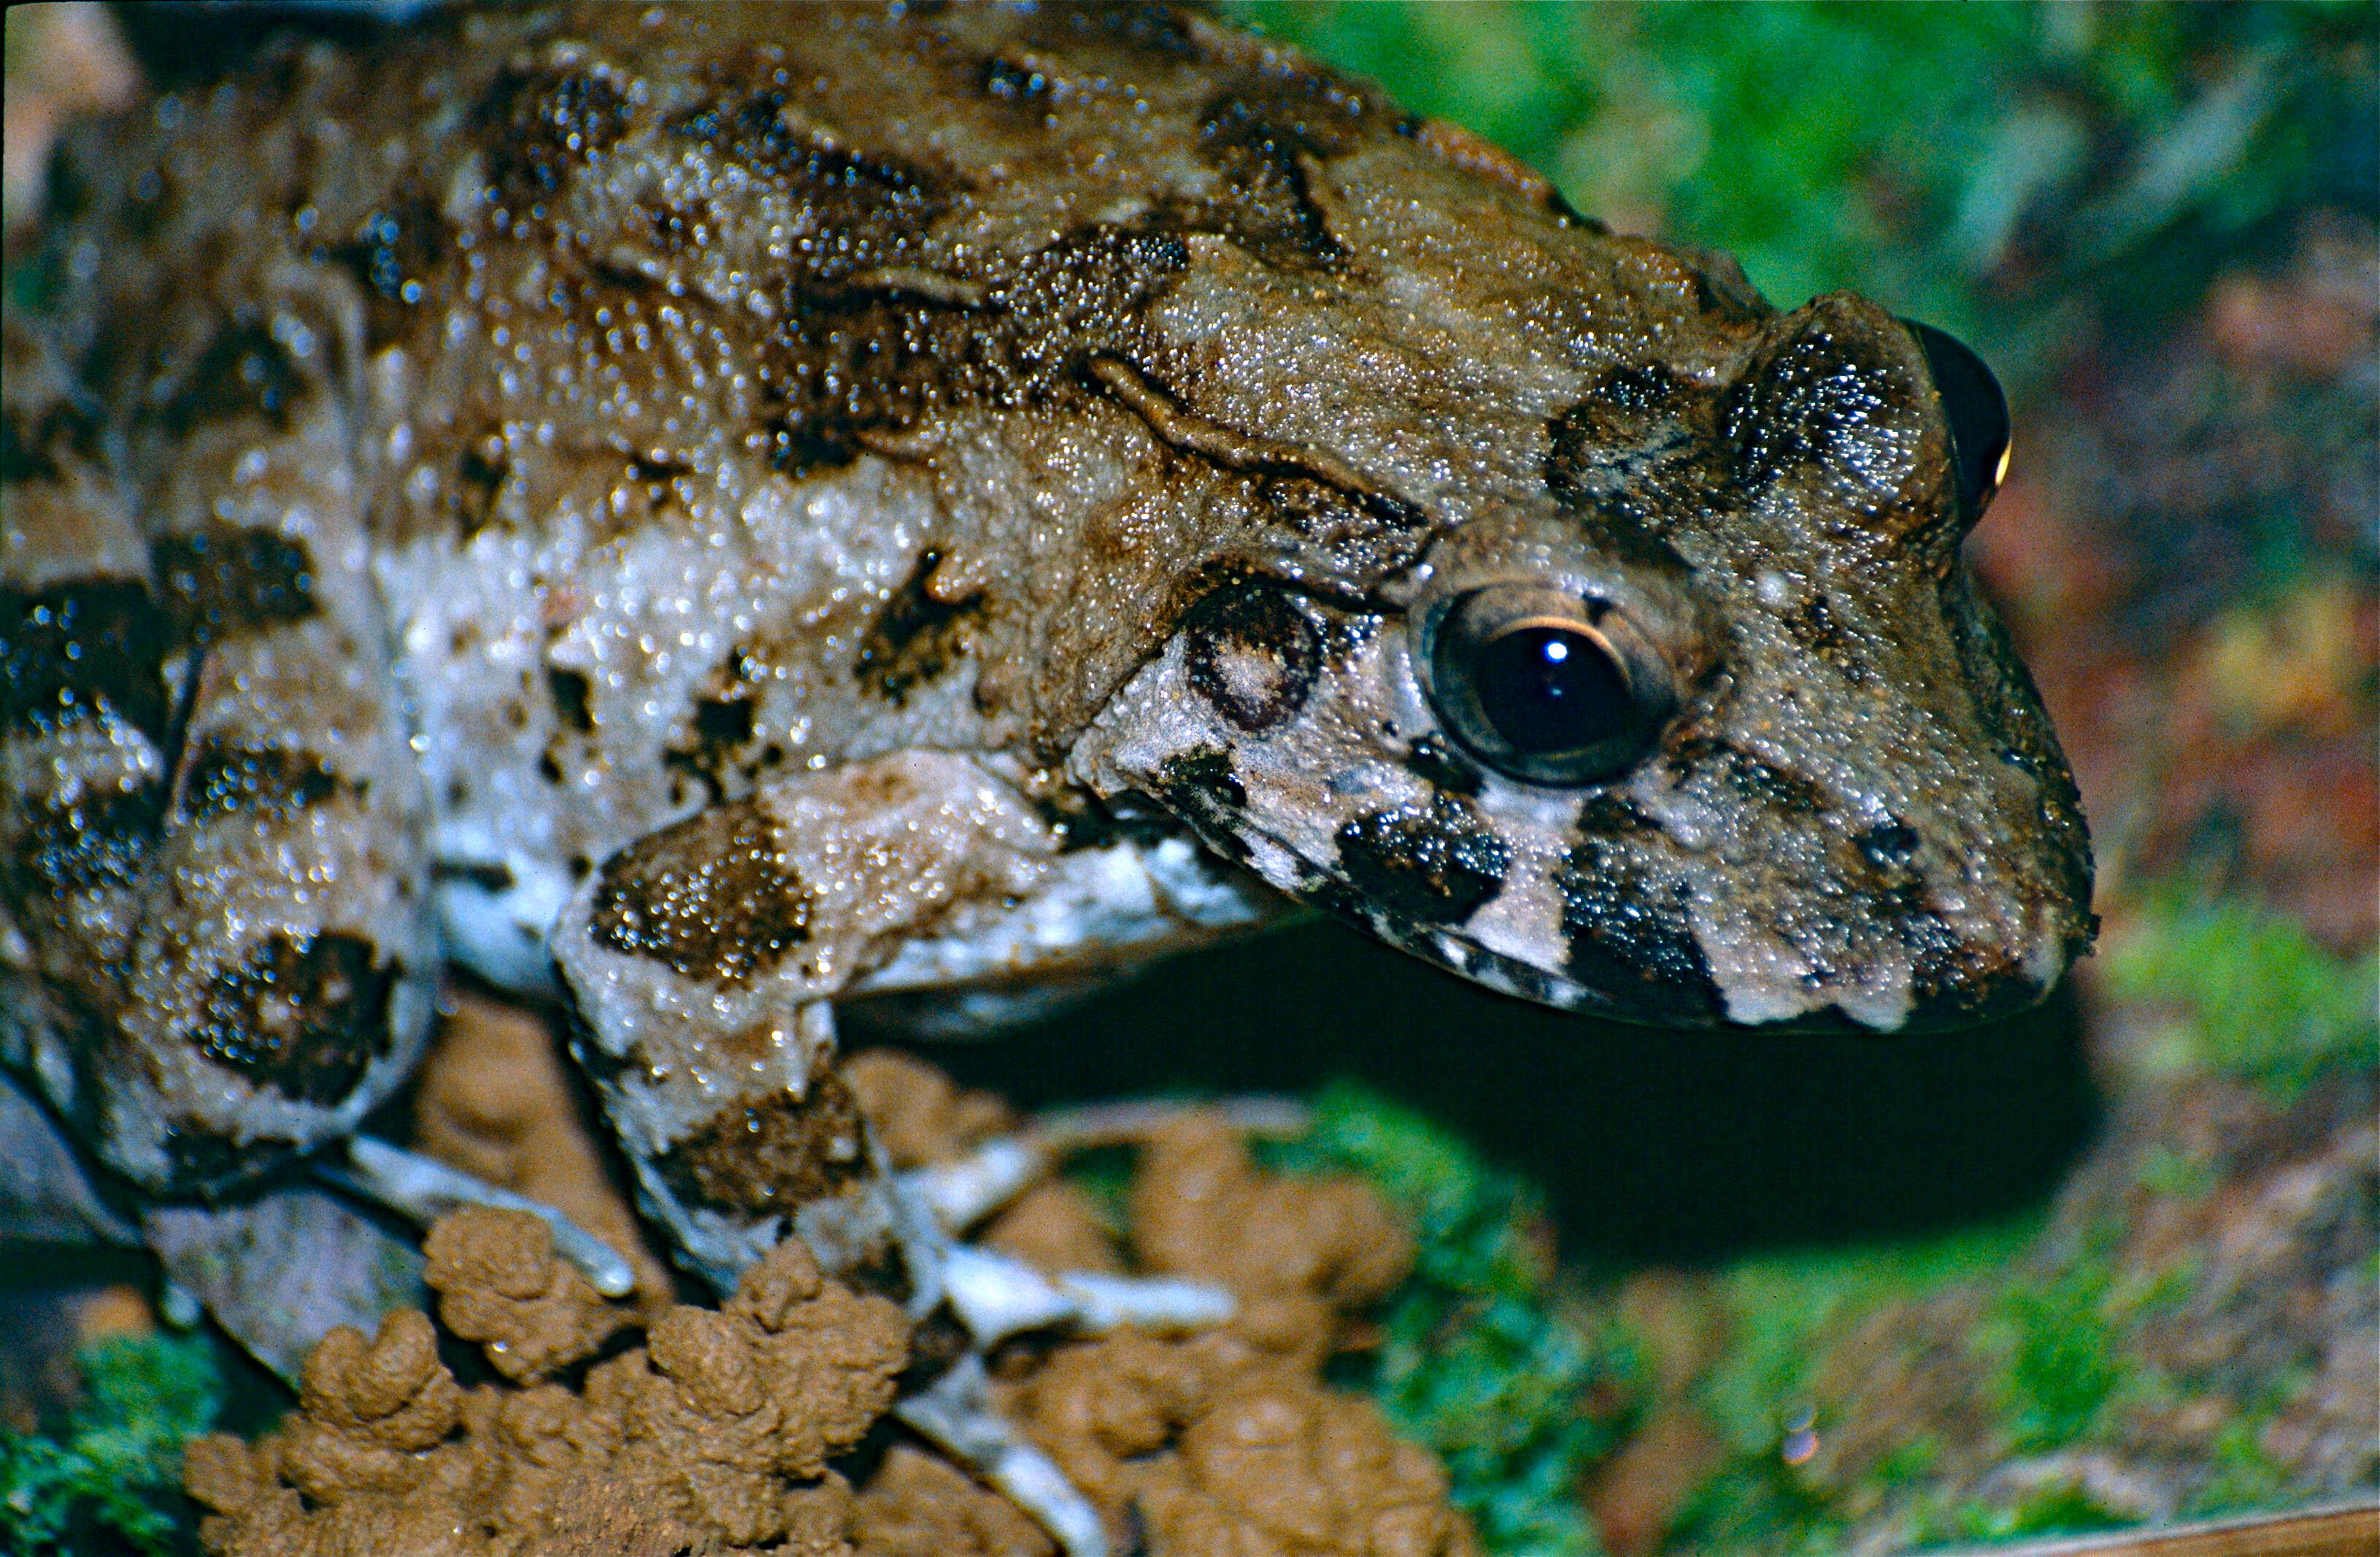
[[709, 513]]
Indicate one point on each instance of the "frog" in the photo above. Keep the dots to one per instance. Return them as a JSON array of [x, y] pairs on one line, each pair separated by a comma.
[[699, 516]]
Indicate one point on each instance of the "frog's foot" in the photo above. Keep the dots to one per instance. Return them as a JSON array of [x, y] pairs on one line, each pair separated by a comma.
[[996, 1295], [422, 1189]]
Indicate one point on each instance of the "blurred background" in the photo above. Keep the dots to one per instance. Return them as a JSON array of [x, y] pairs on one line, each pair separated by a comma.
[[2113, 1263]]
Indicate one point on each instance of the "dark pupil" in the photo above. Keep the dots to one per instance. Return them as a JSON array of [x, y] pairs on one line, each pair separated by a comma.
[[1549, 689], [1977, 412]]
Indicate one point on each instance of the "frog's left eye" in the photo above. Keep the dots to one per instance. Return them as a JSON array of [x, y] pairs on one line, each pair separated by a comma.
[[1544, 686], [1978, 414]]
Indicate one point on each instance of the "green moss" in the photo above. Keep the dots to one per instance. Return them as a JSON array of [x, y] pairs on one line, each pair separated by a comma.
[[2245, 1476], [2163, 1171], [1480, 1359], [111, 1480], [1781, 1309], [1785, 1314], [1988, 166], [2055, 1508], [2060, 1363], [2260, 999]]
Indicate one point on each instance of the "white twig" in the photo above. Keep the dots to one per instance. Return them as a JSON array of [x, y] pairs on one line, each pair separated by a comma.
[[957, 1416], [421, 1189]]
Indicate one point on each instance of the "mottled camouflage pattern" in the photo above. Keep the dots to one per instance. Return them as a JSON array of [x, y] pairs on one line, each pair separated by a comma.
[[812, 502]]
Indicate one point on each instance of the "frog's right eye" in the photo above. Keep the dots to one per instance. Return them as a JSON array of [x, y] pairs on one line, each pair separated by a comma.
[[1544, 686], [1978, 414]]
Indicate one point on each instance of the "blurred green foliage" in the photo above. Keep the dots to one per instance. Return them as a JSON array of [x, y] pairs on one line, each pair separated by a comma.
[[2053, 1508], [1480, 1358], [1983, 165], [2258, 999], [1782, 1313], [2061, 1364], [111, 1480]]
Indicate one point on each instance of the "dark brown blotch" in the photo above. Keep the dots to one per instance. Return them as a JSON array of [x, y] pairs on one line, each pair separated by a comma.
[[849, 361], [1631, 421], [41, 447], [1201, 787], [574, 699], [69, 652], [772, 1152], [1436, 864], [489, 876], [480, 473], [396, 253], [1252, 651], [1888, 846], [537, 126], [1265, 140], [872, 208], [919, 634], [99, 841], [1441, 765], [223, 581], [1314, 528], [226, 780], [1013, 82], [1161, 31], [1630, 936], [1821, 401], [306, 1014], [714, 897], [1814, 625], [1753, 778], [243, 372], [716, 731]]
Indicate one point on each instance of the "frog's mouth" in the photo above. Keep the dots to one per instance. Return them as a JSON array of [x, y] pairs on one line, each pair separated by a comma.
[[1685, 1004], [1299, 877], [1444, 883], [1686, 997]]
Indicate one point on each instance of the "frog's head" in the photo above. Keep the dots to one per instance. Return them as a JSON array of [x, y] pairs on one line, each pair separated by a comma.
[[1712, 726]]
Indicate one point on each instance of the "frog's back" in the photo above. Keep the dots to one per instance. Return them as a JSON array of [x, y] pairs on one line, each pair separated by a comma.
[[683, 353]]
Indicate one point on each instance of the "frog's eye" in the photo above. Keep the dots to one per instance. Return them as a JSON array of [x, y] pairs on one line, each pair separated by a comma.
[[1546, 687], [1978, 414]]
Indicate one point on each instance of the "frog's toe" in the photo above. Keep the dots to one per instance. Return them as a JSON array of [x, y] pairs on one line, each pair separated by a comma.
[[962, 1191], [997, 1295], [957, 1416], [422, 1189]]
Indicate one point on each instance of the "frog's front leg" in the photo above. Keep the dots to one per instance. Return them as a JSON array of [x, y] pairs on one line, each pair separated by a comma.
[[700, 962]]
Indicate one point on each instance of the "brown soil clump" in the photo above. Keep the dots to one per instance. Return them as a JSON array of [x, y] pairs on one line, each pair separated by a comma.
[[500, 1285], [713, 1436], [494, 1101], [1226, 1441], [919, 1506], [733, 1429], [919, 1115]]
